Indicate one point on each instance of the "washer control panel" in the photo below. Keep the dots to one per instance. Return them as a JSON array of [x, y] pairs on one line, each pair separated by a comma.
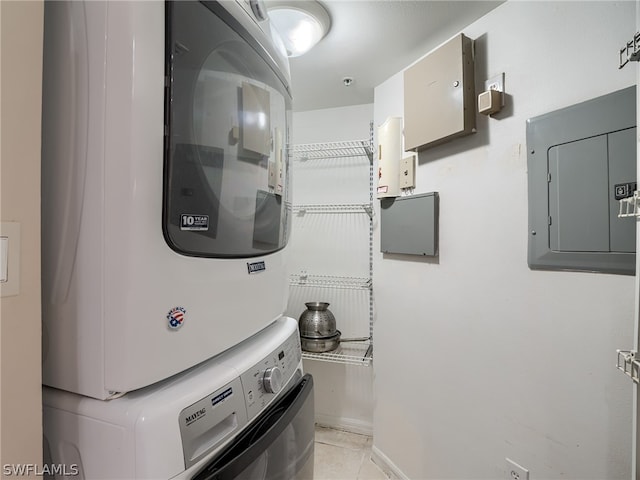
[[211, 421], [267, 378], [214, 419]]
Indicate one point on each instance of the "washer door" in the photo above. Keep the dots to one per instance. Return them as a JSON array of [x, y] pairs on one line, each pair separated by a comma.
[[278, 445]]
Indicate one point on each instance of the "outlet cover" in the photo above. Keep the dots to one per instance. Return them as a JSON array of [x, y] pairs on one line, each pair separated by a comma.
[[515, 471], [496, 83], [408, 172]]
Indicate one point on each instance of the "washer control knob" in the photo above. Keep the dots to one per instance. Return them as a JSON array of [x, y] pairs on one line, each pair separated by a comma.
[[272, 380]]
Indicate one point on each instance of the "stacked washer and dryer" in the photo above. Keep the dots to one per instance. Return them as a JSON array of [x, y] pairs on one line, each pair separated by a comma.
[[166, 213]]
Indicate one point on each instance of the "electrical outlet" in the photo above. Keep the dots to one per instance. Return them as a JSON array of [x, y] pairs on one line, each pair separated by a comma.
[[515, 471]]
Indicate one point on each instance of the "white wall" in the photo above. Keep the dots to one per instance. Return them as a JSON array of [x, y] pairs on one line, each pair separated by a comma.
[[331, 245], [332, 124], [479, 358], [20, 327]]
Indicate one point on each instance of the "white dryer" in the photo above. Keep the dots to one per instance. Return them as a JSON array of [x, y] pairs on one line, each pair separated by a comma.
[[165, 188], [248, 414]]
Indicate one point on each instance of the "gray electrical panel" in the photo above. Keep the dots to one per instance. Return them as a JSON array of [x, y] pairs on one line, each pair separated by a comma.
[[578, 158], [409, 225]]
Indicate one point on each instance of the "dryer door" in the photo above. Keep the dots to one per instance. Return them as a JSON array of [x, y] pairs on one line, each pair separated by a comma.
[[226, 160]]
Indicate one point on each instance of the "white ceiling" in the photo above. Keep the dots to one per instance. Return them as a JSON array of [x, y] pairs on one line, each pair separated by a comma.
[[371, 40]]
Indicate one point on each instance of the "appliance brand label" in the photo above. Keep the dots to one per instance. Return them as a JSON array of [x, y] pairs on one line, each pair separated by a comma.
[[176, 317], [256, 267], [220, 397], [194, 222], [195, 416]]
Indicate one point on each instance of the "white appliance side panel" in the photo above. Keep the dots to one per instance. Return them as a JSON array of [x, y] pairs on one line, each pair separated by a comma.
[[73, 233], [124, 271], [89, 445], [134, 436]]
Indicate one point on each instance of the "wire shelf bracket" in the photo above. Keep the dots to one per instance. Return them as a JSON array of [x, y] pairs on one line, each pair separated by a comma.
[[628, 364], [631, 51], [630, 207]]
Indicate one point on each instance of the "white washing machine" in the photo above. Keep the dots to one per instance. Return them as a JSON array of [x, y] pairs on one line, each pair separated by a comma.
[[246, 414], [165, 187]]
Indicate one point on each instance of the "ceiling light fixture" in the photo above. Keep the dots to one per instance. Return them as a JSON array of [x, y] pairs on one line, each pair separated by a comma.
[[301, 24]]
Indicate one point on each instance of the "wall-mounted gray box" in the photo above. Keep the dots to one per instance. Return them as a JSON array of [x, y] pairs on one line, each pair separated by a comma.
[[409, 225], [439, 95], [576, 156]]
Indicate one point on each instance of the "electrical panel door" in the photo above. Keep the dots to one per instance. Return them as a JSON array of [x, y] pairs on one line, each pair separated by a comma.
[[577, 156]]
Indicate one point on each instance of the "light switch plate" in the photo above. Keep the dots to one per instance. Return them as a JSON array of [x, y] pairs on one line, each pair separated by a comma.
[[4, 258], [11, 232]]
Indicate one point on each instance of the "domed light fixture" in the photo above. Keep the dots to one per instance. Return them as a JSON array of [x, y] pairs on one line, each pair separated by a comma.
[[300, 23]]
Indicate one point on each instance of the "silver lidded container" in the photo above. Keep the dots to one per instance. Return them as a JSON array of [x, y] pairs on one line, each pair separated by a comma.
[[318, 332]]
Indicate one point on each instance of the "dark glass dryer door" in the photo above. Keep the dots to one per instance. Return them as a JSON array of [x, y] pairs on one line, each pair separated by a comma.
[[226, 160]]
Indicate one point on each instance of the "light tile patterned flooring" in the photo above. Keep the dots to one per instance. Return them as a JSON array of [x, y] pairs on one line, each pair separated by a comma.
[[343, 455]]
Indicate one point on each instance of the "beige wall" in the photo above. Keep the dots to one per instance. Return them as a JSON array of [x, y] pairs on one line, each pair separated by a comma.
[[21, 26]]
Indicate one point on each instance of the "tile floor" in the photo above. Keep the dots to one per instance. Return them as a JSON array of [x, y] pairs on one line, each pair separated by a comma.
[[341, 455]]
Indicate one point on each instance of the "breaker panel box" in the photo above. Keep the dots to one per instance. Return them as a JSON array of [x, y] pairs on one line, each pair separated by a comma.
[[439, 96], [578, 159]]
